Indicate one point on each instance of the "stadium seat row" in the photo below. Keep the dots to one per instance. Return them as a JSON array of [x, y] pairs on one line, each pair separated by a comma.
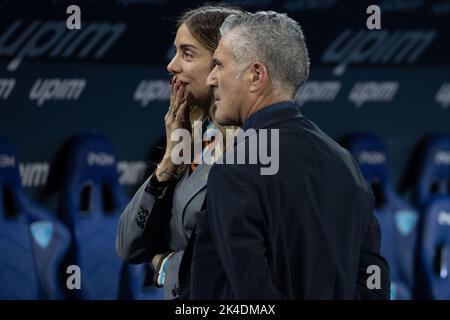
[[70, 255], [415, 237], [37, 246]]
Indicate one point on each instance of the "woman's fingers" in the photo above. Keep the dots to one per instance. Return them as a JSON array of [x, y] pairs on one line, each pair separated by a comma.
[[186, 93], [178, 99], [178, 109], [182, 115], [183, 109], [172, 90]]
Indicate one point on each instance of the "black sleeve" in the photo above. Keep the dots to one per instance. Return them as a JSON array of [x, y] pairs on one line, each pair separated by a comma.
[[236, 221], [370, 256]]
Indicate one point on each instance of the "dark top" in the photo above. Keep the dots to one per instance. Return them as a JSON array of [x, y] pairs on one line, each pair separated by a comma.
[[306, 232]]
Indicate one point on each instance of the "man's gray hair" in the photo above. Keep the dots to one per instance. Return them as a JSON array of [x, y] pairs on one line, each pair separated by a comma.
[[274, 39]]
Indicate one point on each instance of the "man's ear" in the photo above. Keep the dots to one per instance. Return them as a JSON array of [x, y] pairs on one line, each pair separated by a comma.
[[259, 77]]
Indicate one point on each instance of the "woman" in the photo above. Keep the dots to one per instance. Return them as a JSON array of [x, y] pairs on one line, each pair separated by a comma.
[[158, 222]]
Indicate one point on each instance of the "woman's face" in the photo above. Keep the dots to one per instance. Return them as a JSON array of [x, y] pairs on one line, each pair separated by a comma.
[[191, 65]]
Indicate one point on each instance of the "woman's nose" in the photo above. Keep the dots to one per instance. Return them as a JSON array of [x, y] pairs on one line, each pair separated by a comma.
[[173, 66]]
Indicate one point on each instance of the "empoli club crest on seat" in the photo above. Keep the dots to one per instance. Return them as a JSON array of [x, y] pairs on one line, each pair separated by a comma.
[[42, 232]]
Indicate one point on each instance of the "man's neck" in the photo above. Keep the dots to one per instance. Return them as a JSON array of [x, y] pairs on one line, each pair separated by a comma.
[[264, 101]]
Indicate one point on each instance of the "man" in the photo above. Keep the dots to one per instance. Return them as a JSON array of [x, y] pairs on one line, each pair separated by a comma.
[[305, 232]]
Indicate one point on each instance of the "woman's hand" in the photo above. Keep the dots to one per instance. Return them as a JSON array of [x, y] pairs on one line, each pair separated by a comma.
[[177, 117]]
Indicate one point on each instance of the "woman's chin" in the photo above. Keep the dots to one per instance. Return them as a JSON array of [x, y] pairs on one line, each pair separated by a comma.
[[203, 102]]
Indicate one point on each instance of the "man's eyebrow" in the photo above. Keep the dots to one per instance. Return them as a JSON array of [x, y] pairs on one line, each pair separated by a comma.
[[216, 61]]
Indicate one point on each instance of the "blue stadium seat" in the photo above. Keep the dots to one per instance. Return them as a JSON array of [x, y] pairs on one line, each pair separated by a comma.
[[434, 168], [33, 243], [51, 245], [91, 203], [435, 248], [139, 289], [398, 219]]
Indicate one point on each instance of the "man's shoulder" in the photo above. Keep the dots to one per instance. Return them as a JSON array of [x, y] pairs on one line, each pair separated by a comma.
[[226, 170], [239, 167]]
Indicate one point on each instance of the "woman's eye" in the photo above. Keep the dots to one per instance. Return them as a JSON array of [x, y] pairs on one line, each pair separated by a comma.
[[187, 55]]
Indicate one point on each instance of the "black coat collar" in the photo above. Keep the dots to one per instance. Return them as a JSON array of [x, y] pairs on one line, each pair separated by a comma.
[[269, 115]]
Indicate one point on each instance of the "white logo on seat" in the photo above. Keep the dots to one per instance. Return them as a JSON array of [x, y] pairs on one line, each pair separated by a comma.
[[100, 159], [442, 157], [7, 161], [371, 157], [444, 218]]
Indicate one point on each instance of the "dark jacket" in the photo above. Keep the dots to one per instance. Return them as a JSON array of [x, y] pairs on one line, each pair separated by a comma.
[[306, 232]]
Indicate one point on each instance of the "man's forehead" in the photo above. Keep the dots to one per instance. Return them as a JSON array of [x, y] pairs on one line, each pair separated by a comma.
[[227, 39], [223, 47]]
